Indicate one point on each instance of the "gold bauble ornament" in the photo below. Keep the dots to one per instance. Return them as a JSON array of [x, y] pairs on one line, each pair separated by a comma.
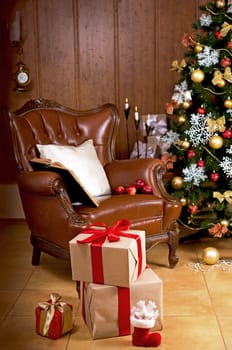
[[210, 255], [216, 142], [185, 144], [197, 75], [224, 222], [220, 4], [186, 104], [181, 119], [183, 201], [177, 182], [198, 48], [228, 103], [221, 84]]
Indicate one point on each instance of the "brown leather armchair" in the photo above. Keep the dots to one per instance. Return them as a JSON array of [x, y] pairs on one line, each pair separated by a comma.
[[52, 218]]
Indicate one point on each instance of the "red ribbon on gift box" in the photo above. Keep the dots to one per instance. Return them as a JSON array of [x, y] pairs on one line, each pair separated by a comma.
[[124, 308], [99, 233]]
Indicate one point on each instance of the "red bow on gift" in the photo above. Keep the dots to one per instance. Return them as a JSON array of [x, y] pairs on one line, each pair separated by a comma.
[[100, 232]]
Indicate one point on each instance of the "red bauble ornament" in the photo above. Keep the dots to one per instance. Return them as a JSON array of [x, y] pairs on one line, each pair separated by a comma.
[[200, 163], [120, 189], [191, 153], [218, 34], [227, 134], [225, 62], [193, 208], [131, 190], [214, 177], [201, 110], [229, 45], [139, 183], [147, 189]]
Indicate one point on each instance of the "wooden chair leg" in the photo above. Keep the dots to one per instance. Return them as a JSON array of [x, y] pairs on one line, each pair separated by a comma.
[[171, 238], [36, 256], [172, 244], [78, 288]]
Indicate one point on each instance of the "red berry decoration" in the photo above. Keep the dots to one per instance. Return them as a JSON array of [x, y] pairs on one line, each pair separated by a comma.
[[214, 177], [191, 153], [201, 163], [227, 134], [225, 62]]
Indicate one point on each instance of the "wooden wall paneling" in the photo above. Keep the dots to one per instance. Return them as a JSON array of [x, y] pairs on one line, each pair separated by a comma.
[[8, 167], [7, 7], [136, 62], [56, 61], [96, 53], [170, 30]]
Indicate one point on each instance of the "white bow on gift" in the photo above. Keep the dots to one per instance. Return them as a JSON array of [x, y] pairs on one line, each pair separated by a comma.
[[159, 127], [51, 307]]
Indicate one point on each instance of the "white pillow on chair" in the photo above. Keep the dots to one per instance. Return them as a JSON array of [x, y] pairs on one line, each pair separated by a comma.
[[83, 161]]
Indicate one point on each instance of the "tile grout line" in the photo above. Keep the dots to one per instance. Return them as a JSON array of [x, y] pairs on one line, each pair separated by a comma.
[[21, 290], [212, 304]]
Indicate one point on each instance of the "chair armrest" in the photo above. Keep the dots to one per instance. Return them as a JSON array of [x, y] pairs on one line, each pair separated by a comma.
[[36, 187], [152, 171], [41, 182], [126, 172]]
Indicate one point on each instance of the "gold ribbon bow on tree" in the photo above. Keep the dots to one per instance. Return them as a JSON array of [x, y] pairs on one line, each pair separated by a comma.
[[50, 308], [178, 67], [216, 125], [218, 76], [227, 195], [226, 27]]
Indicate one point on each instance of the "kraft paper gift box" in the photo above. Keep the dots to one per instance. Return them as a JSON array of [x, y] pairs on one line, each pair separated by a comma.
[[152, 145], [103, 261], [106, 309], [53, 318]]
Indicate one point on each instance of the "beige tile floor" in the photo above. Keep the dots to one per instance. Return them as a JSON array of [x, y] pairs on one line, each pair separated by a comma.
[[197, 305]]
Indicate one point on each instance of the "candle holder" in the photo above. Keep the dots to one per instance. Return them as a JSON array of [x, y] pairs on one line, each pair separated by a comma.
[[148, 130], [137, 122], [127, 112]]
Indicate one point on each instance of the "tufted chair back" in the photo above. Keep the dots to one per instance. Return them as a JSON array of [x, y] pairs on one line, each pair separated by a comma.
[[44, 122]]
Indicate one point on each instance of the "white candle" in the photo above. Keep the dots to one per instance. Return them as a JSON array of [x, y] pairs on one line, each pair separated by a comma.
[[148, 122], [136, 114], [126, 103]]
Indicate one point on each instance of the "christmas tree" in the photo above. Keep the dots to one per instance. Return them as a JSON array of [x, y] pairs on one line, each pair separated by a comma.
[[200, 123]]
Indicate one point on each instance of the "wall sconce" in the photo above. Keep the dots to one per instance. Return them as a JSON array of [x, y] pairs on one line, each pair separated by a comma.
[[15, 31], [22, 76]]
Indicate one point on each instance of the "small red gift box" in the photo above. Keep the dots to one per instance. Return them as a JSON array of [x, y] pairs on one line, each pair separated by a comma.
[[53, 318], [108, 255], [106, 309]]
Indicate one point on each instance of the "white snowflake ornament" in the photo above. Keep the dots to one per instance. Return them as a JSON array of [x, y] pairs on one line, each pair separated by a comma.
[[205, 20], [194, 174], [208, 57]]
